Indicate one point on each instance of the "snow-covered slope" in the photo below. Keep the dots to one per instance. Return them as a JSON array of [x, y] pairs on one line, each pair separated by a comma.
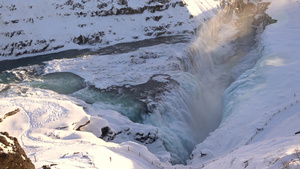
[[46, 128], [37, 26], [262, 106]]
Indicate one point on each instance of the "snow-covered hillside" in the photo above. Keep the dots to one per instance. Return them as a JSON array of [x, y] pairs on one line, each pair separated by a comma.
[[37, 26]]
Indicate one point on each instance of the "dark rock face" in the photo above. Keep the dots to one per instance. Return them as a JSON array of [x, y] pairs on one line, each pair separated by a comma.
[[20, 45], [146, 138], [107, 134], [12, 156], [89, 39]]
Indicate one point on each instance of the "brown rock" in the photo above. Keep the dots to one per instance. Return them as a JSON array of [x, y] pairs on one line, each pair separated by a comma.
[[12, 156]]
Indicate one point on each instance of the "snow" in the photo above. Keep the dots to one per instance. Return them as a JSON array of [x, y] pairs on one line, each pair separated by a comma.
[[122, 69], [45, 128], [258, 129]]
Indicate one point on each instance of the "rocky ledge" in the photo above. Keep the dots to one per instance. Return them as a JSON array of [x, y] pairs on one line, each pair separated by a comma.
[[12, 156]]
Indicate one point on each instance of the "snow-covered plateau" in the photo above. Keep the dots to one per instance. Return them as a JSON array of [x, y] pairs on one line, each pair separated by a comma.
[[152, 84]]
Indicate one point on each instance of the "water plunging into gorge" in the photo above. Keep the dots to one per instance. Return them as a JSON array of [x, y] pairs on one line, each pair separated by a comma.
[[194, 108]]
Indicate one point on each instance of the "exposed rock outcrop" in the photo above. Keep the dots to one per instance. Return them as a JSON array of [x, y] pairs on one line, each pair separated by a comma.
[[9, 114], [12, 156]]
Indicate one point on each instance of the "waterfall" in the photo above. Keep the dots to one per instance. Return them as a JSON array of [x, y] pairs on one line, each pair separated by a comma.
[[220, 44], [187, 114]]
